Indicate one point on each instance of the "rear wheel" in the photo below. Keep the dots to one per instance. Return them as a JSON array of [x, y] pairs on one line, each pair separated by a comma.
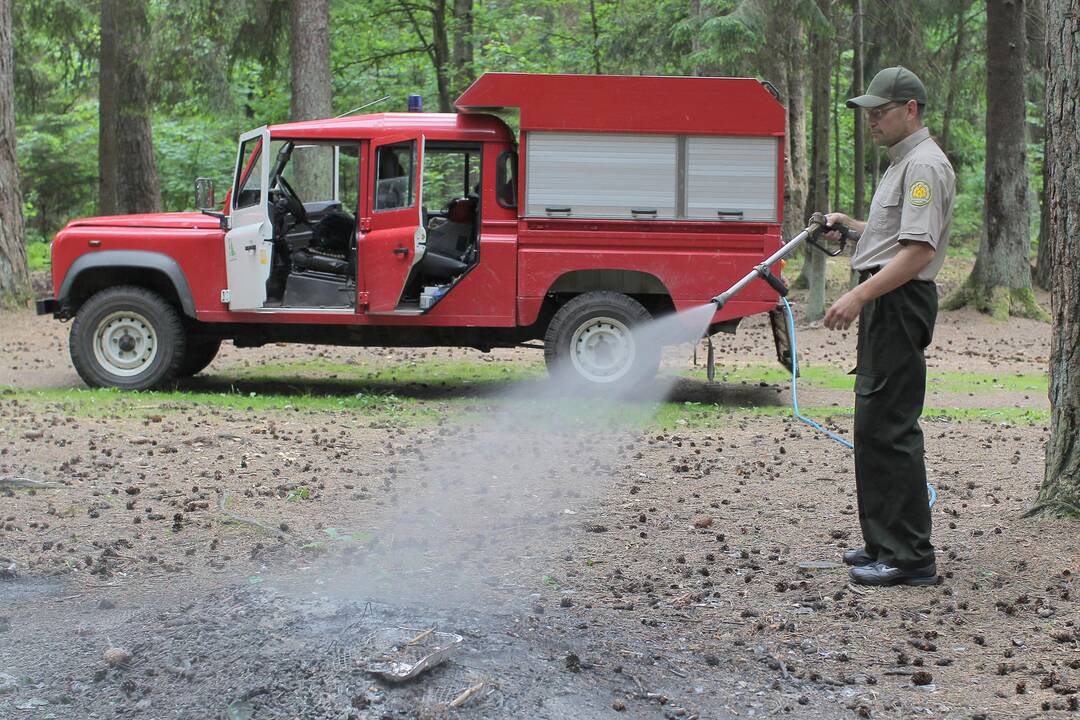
[[127, 337], [591, 340], [198, 355]]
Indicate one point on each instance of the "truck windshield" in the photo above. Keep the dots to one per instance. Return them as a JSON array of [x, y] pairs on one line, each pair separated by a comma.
[[247, 191], [307, 167]]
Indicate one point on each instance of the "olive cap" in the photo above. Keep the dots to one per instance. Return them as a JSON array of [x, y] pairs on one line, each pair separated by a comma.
[[895, 84]]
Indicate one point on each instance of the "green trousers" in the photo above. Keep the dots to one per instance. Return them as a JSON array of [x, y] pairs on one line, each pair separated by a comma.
[[890, 386]]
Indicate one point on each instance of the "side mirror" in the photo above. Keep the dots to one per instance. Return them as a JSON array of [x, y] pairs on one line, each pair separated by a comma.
[[204, 194]]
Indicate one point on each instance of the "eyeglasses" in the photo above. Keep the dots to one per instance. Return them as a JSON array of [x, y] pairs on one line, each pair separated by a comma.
[[880, 112]]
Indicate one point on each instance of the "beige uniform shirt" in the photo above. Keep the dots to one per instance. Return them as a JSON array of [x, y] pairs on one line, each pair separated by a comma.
[[913, 202]]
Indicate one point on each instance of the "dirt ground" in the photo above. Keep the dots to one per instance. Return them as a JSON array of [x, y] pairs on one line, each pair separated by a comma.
[[240, 558]]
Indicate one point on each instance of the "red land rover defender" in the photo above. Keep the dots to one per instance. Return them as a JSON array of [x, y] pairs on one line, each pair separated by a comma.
[[622, 198]]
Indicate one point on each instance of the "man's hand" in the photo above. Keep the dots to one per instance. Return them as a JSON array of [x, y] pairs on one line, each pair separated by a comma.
[[844, 311], [833, 218]]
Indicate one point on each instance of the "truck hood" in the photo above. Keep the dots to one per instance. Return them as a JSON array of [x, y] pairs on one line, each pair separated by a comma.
[[184, 220]]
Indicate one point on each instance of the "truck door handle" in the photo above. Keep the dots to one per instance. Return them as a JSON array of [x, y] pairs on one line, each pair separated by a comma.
[[249, 248], [401, 251]]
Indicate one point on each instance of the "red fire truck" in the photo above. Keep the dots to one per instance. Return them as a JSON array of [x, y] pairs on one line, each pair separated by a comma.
[[618, 199]]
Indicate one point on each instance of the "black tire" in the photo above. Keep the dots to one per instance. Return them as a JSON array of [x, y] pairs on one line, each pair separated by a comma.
[[575, 341], [197, 356], [127, 337]]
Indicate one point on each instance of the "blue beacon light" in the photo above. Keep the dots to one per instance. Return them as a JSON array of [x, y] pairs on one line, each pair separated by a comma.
[[416, 103]]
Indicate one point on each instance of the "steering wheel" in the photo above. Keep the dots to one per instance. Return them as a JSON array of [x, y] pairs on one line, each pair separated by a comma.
[[296, 208]]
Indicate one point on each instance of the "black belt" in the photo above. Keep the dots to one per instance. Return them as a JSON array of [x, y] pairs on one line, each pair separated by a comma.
[[867, 273]]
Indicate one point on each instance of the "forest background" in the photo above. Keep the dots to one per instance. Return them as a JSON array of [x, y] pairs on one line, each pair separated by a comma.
[[216, 69]]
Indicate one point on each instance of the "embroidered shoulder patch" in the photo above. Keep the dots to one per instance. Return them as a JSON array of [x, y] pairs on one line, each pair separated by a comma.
[[919, 193]]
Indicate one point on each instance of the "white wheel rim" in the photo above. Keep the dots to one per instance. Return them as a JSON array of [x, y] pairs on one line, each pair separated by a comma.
[[602, 350], [125, 343]]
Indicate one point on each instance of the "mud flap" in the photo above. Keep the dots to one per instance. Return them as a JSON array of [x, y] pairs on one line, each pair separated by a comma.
[[782, 338]]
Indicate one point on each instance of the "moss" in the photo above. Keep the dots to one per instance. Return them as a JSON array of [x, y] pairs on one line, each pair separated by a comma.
[[1025, 305], [999, 302], [961, 297], [15, 300]]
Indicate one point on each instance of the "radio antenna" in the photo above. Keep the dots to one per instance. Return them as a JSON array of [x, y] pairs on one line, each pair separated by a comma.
[[365, 105]]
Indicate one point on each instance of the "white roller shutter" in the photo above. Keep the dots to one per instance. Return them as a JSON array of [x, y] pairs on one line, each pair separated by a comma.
[[600, 175], [731, 178]]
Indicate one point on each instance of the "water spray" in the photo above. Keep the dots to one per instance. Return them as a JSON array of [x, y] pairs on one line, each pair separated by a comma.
[[817, 226]]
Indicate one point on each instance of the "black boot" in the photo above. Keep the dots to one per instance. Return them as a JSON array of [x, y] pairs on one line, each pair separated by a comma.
[[881, 574], [858, 557]]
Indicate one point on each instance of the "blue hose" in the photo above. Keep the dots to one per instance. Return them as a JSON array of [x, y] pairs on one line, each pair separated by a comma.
[[795, 396]]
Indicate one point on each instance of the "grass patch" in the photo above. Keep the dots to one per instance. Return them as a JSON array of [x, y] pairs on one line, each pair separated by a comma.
[[387, 394], [831, 377], [671, 416], [152, 404], [426, 372]]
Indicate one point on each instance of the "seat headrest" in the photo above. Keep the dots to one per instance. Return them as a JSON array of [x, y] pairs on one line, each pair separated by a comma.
[[461, 210]]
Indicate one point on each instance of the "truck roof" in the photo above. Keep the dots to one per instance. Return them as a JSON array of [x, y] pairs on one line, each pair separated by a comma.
[[630, 103], [434, 126]]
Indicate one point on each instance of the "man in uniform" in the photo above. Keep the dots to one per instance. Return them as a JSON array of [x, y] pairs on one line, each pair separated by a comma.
[[900, 250]]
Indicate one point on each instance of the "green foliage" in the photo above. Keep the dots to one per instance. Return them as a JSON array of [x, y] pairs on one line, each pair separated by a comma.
[[191, 147], [39, 257], [58, 169], [218, 69]]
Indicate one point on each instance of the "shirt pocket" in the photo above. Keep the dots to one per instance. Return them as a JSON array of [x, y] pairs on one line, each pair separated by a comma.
[[887, 211]]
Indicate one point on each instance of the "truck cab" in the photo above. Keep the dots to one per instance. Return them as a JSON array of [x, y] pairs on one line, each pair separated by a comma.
[[618, 200]]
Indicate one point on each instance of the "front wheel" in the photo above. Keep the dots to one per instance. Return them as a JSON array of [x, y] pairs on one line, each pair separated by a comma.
[[591, 340], [198, 355], [127, 337]]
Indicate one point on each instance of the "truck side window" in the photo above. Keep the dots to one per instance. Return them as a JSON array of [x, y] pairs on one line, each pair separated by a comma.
[[249, 192], [395, 179], [506, 179]]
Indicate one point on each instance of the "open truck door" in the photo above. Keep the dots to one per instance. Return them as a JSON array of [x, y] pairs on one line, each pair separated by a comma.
[[393, 236], [249, 242]]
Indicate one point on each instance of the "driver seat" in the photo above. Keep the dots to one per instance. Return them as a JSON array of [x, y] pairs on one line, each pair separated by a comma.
[[308, 259], [450, 243], [329, 245]]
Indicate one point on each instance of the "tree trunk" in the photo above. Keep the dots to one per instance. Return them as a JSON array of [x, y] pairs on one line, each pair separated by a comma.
[[783, 63], [1060, 492], [858, 204], [859, 198], [440, 54], [1000, 283], [1040, 273], [107, 69], [133, 186], [814, 268], [837, 174], [595, 27], [311, 94], [310, 45], [954, 73], [14, 273], [464, 49]]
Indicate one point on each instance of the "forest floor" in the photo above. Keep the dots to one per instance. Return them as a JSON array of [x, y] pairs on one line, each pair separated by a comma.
[[241, 538]]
